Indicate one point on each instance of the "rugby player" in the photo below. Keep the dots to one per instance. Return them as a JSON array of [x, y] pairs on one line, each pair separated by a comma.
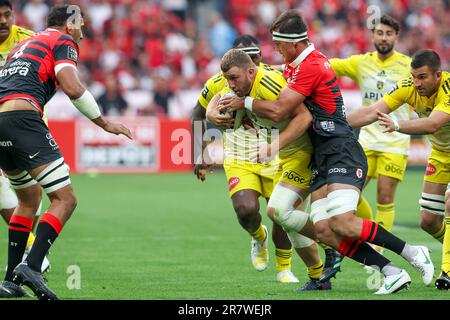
[[427, 91], [28, 153], [339, 165]]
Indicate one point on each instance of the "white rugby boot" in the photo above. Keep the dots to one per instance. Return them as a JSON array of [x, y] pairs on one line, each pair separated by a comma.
[[395, 283]]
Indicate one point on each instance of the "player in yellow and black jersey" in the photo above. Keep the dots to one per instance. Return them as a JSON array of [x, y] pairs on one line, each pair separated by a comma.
[[427, 91], [246, 184], [375, 73], [10, 34]]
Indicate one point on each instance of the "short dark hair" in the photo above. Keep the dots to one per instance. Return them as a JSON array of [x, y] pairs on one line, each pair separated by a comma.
[[426, 57], [5, 3], [59, 15], [391, 22], [245, 40], [290, 21], [235, 58]]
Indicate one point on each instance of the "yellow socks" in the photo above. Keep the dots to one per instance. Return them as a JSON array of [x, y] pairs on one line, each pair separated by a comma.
[[364, 210], [446, 247], [385, 215], [259, 234], [30, 241], [283, 259], [439, 236], [315, 271]]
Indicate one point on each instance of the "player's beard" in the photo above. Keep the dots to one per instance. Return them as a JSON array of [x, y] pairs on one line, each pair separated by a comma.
[[385, 49]]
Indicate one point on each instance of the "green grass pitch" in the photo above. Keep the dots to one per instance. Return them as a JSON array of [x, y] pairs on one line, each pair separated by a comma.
[[169, 236]]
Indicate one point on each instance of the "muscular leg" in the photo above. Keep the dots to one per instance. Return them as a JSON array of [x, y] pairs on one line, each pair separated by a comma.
[[20, 223], [246, 205], [281, 210], [385, 213], [432, 209]]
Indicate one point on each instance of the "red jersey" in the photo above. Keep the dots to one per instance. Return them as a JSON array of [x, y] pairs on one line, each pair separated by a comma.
[[31, 67], [311, 75]]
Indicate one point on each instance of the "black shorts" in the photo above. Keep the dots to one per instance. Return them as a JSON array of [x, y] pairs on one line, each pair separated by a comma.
[[25, 142], [339, 160]]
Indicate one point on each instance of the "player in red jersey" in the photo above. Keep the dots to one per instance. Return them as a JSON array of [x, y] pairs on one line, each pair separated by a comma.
[[28, 153], [339, 165]]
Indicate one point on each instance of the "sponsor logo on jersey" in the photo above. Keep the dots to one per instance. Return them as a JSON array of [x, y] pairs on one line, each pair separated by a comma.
[[205, 92], [337, 170], [430, 170], [72, 54], [233, 182], [327, 126], [294, 176], [380, 85], [374, 95], [393, 168], [393, 89]]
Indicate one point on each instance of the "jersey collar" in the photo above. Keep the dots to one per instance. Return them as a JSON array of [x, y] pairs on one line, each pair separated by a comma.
[[302, 56]]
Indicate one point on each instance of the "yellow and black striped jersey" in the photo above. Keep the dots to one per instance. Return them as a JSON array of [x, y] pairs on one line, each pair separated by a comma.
[[17, 34], [375, 78], [217, 82], [405, 92], [267, 86]]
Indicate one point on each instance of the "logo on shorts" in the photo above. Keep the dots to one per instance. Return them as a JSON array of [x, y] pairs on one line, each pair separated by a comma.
[[359, 173], [431, 169], [6, 144], [292, 175], [51, 141], [337, 170], [233, 182], [393, 168]]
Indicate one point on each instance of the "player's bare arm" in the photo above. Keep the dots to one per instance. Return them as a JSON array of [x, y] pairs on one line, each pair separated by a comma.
[[276, 110], [71, 85], [214, 114], [429, 125], [297, 127], [366, 115], [199, 116]]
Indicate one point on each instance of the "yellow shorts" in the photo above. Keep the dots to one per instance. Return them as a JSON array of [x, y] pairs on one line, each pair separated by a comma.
[[295, 169], [438, 167], [385, 163], [242, 175]]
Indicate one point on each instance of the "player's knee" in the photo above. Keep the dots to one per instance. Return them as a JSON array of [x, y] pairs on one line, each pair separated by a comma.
[[385, 197], [430, 222], [246, 210]]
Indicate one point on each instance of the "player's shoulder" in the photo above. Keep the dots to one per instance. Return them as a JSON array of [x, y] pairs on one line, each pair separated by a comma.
[[271, 76], [21, 32], [403, 87], [402, 59], [65, 38], [445, 83], [216, 80], [270, 81]]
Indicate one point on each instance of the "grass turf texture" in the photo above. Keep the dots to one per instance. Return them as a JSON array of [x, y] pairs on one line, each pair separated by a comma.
[[173, 237]]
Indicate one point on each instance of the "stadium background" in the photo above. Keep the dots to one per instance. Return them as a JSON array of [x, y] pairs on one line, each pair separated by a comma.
[[152, 236]]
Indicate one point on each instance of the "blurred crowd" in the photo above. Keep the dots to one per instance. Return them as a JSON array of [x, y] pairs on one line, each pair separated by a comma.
[[165, 47]]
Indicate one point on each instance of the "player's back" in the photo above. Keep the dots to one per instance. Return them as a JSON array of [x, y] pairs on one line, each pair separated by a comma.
[[31, 67], [311, 75]]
